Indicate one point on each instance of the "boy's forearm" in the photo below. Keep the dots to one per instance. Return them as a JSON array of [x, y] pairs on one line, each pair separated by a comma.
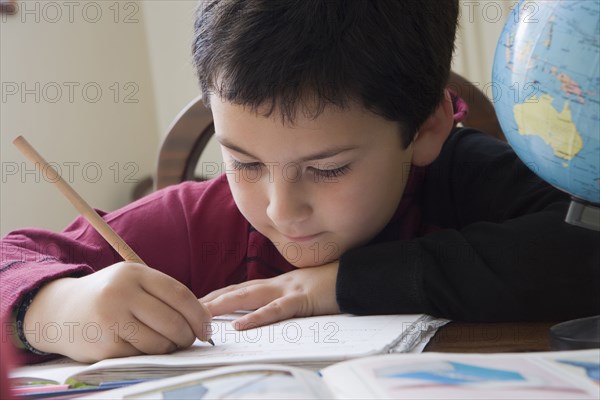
[[534, 267], [375, 280]]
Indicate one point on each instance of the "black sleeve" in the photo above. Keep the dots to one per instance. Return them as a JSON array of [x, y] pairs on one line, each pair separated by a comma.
[[504, 252]]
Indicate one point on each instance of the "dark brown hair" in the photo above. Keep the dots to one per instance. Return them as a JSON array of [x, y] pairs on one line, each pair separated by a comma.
[[391, 56]]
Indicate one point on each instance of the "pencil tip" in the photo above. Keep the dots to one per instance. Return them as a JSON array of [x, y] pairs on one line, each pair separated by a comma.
[[211, 341]]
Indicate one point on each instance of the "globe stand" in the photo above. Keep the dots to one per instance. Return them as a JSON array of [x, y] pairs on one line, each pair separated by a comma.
[[583, 333], [584, 214], [576, 334]]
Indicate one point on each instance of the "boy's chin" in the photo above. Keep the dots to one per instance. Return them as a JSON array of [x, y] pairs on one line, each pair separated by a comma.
[[309, 263], [309, 254], [305, 265]]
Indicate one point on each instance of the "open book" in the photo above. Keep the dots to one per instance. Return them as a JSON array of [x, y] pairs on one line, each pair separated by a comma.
[[551, 375], [312, 342]]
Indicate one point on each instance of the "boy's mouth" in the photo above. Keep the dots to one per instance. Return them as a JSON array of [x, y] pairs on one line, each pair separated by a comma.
[[305, 238]]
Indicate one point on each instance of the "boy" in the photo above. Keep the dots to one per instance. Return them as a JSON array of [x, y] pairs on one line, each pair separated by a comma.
[[348, 188]]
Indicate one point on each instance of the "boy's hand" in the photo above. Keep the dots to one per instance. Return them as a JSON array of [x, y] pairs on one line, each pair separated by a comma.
[[122, 310], [299, 293]]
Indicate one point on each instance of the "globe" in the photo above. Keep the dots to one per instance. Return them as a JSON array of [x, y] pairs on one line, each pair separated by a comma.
[[546, 92]]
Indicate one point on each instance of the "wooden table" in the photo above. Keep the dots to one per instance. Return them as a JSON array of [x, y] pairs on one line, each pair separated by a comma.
[[462, 337]]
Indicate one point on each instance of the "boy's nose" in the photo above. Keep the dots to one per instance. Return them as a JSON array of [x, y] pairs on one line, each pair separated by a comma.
[[288, 205]]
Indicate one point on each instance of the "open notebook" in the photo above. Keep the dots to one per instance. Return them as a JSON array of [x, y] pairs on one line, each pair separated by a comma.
[[313, 342]]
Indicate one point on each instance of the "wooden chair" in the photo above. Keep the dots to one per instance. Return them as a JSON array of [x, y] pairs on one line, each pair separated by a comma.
[[182, 147], [192, 129]]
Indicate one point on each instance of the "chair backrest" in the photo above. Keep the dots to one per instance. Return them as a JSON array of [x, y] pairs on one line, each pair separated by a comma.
[[193, 127], [182, 147]]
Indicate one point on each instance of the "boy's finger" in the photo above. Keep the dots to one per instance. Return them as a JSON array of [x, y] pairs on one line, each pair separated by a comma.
[[176, 295], [111, 346], [216, 293], [277, 310], [243, 298], [144, 338], [165, 320]]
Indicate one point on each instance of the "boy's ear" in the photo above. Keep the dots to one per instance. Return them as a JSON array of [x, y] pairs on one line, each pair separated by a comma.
[[431, 136]]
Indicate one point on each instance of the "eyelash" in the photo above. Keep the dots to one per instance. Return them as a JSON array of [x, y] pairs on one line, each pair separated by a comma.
[[238, 166], [324, 173]]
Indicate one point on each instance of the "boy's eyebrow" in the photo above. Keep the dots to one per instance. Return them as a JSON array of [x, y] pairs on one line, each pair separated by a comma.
[[317, 156]]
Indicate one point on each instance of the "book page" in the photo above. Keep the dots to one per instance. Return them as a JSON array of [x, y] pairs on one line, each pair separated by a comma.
[[550, 375], [312, 342]]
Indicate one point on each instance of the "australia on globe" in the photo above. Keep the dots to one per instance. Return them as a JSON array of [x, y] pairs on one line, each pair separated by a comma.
[[546, 92]]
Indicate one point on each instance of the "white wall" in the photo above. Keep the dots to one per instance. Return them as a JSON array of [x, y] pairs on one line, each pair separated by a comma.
[[481, 23], [46, 49], [173, 74], [169, 29]]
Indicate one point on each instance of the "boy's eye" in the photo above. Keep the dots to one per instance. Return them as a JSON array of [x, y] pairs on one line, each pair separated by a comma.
[[324, 173], [331, 173], [238, 165]]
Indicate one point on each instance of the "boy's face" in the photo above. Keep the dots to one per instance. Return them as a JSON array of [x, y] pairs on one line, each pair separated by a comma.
[[316, 188]]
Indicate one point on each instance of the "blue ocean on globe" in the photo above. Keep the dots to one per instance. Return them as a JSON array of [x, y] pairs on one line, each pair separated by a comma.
[[546, 91]]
